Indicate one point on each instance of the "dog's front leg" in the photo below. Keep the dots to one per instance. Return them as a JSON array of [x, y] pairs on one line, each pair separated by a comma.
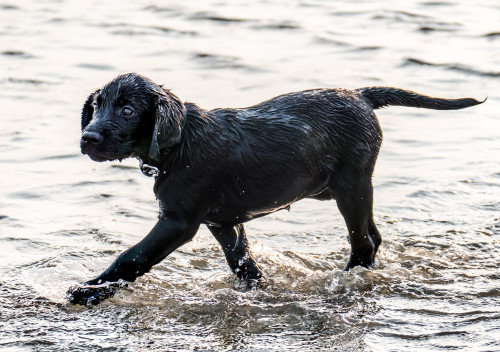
[[168, 234], [234, 243]]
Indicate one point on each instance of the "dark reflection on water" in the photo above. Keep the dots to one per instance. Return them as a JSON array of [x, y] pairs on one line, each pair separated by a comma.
[[63, 218]]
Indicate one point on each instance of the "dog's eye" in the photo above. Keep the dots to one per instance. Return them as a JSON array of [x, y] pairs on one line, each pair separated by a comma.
[[127, 111]]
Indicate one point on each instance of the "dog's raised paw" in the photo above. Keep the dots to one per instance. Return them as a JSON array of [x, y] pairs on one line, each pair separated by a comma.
[[91, 295]]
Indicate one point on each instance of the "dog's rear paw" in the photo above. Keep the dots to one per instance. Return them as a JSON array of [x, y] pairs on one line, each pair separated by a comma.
[[353, 262], [91, 295]]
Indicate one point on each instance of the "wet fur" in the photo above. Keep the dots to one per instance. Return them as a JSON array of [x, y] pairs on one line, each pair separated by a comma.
[[224, 167]]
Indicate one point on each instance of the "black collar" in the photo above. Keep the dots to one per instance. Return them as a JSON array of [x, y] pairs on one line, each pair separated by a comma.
[[148, 169], [151, 168]]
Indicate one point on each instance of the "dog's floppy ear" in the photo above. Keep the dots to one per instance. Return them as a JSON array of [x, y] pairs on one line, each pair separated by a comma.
[[88, 109], [169, 119]]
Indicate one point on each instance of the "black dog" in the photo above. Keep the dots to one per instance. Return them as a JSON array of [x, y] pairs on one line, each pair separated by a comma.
[[224, 167]]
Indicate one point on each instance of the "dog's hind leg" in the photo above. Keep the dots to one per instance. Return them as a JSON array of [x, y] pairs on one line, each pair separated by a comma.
[[234, 243], [355, 202]]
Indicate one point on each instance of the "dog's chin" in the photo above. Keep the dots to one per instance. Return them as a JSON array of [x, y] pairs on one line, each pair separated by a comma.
[[101, 158], [98, 158]]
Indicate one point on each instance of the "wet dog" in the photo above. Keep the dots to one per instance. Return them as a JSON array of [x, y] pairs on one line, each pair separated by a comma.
[[225, 167]]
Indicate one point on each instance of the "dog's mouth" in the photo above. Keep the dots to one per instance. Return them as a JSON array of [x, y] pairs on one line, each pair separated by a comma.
[[100, 156], [102, 146]]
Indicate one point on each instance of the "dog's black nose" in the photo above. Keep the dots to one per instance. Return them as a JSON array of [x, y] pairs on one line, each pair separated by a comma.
[[91, 137]]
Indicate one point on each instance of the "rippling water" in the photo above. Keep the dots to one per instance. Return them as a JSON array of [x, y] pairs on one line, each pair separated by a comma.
[[63, 218]]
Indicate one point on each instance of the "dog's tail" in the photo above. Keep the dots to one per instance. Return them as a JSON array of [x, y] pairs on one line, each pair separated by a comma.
[[380, 97]]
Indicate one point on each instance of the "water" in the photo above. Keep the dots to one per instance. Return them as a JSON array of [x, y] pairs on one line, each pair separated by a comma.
[[63, 218]]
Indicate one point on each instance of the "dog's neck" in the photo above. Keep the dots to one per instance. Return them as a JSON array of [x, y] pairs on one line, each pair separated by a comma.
[[193, 115], [151, 168]]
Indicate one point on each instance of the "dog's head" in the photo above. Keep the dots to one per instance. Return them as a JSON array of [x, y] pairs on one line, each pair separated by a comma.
[[131, 116]]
